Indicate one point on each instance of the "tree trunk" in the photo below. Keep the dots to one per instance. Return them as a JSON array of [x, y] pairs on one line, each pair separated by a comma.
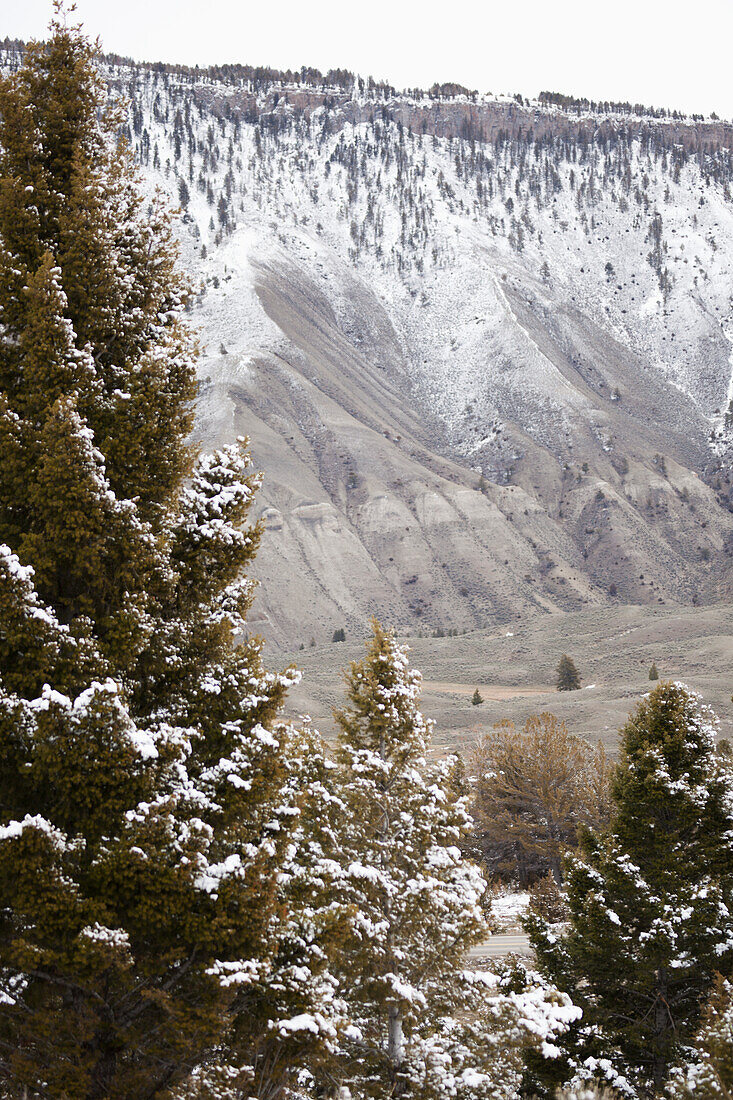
[[395, 1038], [555, 859], [522, 872], [662, 1021]]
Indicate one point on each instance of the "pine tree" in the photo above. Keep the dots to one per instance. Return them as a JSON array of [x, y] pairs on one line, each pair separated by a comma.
[[477, 698], [150, 887], [653, 673], [306, 1009], [568, 678], [418, 903], [290, 1017], [650, 903]]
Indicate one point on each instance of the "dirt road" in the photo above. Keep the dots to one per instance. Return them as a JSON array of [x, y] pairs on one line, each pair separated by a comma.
[[496, 692], [498, 946]]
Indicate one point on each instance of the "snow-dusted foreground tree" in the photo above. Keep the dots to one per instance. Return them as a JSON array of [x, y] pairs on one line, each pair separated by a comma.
[[418, 904], [475, 1047], [159, 931], [420, 1025], [651, 903]]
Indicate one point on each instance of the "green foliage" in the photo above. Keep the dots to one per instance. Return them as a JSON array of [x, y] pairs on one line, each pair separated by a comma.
[[477, 698], [547, 901], [568, 678], [653, 673], [417, 902], [159, 930], [650, 902], [477, 1052]]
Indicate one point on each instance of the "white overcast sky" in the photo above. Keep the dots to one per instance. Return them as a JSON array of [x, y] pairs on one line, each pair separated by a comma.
[[667, 54]]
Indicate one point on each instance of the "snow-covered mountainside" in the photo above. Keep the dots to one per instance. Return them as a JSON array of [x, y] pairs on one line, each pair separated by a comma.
[[482, 346]]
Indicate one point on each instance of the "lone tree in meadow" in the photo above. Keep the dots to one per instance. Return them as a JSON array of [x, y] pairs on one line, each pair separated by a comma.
[[568, 677]]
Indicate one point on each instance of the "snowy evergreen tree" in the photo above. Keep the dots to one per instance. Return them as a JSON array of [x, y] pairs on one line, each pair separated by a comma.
[[650, 902], [418, 903], [477, 1050], [156, 920], [708, 1074]]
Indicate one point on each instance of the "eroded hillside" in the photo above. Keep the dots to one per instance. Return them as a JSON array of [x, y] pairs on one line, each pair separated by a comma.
[[482, 348]]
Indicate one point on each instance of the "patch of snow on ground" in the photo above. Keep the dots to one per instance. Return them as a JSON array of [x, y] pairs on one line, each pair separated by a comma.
[[508, 909]]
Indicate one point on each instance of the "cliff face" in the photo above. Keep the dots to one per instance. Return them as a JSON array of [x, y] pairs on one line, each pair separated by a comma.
[[484, 120]]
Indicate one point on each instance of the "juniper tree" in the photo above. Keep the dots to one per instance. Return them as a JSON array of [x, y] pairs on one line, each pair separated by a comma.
[[476, 1049], [568, 678], [290, 1015], [148, 795], [650, 902], [417, 902]]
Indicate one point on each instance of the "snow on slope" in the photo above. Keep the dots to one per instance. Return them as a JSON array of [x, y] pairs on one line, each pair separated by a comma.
[[395, 315]]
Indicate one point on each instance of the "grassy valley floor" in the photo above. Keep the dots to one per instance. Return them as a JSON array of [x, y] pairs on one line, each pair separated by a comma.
[[514, 669]]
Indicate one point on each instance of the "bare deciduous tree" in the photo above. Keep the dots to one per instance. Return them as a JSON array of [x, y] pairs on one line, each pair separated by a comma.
[[532, 789]]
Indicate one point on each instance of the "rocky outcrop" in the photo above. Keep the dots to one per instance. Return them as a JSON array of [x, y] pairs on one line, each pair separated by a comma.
[[482, 120]]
